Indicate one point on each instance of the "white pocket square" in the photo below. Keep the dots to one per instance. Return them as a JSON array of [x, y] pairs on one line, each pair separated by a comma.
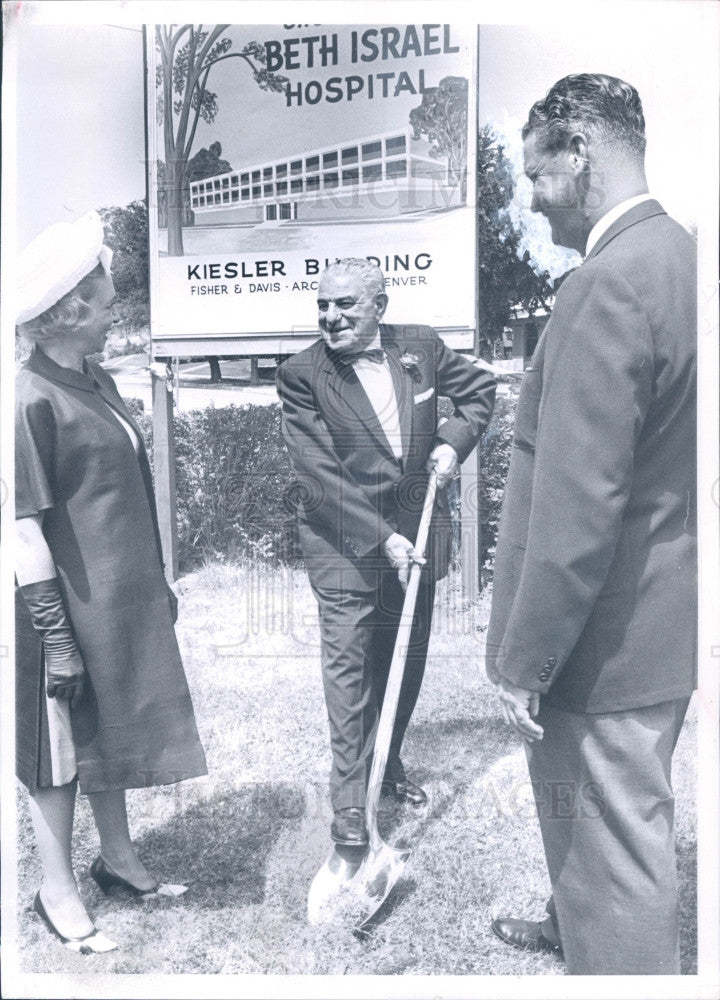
[[424, 395]]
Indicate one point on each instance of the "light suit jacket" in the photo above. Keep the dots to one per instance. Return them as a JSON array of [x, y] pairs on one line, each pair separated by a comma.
[[354, 492], [595, 583]]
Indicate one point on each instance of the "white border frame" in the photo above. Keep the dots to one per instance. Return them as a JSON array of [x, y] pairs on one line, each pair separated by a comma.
[[703, 162]]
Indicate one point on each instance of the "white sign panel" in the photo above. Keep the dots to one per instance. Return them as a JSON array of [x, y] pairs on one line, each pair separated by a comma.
[[274, 149]]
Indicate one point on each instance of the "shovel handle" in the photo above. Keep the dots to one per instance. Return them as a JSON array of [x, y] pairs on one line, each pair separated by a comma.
[[397, 669]]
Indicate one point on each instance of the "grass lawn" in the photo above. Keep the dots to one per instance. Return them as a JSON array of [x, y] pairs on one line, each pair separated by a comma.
[[249, 838]]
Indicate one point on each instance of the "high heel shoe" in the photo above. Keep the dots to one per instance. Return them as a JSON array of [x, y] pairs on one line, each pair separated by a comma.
[[94, 943], [108, 879]]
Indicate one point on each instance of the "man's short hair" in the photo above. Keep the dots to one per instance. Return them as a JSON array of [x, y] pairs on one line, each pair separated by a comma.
[[369, 273], [604, 108]]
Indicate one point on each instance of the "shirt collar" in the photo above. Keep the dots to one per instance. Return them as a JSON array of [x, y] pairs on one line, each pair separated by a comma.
[[375, 345], [604, 223]]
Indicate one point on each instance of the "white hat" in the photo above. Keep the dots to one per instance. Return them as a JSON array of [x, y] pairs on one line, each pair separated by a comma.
[[56, 260]]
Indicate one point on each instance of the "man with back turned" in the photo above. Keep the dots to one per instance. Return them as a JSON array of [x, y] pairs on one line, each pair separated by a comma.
[[592, 638]]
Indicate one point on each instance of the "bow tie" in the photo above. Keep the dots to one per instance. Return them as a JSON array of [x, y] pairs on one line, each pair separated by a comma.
[[377, 355]]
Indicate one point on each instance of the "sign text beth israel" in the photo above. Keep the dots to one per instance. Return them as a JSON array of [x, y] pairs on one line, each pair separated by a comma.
[[367, 46]]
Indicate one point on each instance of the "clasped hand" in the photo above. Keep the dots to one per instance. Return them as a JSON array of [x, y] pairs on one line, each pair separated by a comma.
[[519, 706]]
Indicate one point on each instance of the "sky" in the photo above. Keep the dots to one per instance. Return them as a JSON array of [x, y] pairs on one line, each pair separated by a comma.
[[80, 103], [81, 126]]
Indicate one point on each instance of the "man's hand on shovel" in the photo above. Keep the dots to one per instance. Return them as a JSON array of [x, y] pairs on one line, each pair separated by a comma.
[[400, 551], [401, 554], [443, 461]]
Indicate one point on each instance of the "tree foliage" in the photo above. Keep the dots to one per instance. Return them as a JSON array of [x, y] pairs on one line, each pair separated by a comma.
[[187, 53], [505, 278], [126, 233], [442, 117]]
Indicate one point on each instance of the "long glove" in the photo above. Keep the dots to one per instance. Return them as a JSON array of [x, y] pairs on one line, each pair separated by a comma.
[[63, 663]]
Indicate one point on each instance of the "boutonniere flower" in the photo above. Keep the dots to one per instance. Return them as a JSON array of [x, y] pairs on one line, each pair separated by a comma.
[[410, 364]]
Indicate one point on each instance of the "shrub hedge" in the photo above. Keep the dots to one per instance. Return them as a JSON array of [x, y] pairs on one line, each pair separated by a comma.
[[232, 477], [234, 483], [495, 450]]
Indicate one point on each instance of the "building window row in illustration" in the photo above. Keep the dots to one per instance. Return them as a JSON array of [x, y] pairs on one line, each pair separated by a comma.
[[316, 184]]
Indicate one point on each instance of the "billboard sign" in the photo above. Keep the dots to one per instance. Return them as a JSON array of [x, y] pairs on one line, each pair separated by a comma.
[[275, 149]]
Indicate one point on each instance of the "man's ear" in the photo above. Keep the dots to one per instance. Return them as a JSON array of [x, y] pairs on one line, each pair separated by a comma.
[[381, 302], [578, 153]]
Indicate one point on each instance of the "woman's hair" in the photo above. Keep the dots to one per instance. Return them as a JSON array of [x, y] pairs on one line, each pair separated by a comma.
[[70, 312]]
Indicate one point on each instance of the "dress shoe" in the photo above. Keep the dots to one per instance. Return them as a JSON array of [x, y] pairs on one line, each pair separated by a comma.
[[348, 827], [93, 943], [108, 879], [525, 934], [405, 791]]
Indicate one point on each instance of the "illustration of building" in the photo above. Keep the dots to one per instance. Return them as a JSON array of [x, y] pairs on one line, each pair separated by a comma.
[[385, 175]]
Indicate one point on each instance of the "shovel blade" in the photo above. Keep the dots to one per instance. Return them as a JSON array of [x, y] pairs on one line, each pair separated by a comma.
[[373, 883], [336, 873]]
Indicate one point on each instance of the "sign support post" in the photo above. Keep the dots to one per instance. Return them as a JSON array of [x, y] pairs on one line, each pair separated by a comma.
[[164, 461], [470, 518]]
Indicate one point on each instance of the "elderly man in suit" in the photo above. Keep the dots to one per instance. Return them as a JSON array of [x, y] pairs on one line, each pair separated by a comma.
[[359, 417], [592, 637]]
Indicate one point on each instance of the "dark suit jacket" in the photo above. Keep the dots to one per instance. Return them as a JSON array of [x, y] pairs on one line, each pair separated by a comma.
[[595, 584], [355, 492]]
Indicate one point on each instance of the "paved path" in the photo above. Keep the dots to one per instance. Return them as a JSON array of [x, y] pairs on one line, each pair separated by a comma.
[[195, 391]]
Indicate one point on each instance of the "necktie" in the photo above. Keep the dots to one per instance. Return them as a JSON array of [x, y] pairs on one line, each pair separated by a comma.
[[377, 355]]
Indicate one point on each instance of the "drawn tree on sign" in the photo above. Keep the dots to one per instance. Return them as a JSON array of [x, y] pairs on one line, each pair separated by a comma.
[[187, 54], [204, 163], [443, 117], [207, 163]]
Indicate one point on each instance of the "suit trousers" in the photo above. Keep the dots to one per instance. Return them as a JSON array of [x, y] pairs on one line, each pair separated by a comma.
[[606, 809], [358, 632]]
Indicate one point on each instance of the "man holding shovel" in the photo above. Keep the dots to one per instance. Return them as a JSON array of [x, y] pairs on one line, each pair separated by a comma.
[[359, 417]]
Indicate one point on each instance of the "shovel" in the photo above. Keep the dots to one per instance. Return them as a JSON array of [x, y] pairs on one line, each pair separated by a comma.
[[360, 881]]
